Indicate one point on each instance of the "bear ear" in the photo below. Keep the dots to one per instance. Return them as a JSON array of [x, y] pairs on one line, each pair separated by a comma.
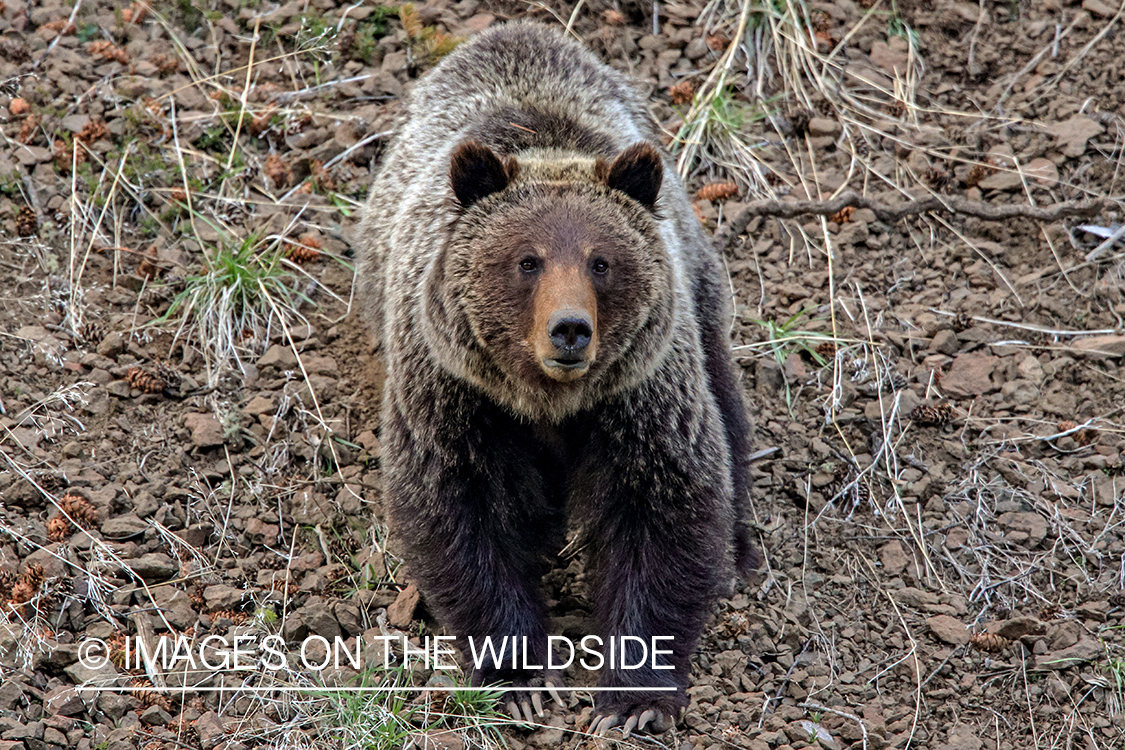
[[476, 172], [637, 172]]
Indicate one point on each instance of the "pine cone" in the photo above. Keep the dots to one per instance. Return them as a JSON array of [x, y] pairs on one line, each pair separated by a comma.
[[989, 642], [342, 548], [962, 322], [34, 575], [79, 508], [932, 416], [1117, 600], [146, 382], [976, 174], [8, 580], [231, 614], [682, 93], [195, 595], [90, 333], [149, 698], [827, 350], [171, 378], [734, 624], [27, 224], [843, 216], [717, 191], [306, 248], [58, 529]]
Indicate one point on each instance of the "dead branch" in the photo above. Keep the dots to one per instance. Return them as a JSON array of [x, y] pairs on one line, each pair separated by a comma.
[[890, 212]]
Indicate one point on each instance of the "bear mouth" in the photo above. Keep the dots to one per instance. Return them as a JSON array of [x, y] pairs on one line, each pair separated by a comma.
[[565, 369]]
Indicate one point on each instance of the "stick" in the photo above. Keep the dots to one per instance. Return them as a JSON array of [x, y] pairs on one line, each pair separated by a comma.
[[890, 212]]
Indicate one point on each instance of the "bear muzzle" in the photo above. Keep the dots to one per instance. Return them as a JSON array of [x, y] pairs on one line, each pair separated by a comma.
[[571, 348]]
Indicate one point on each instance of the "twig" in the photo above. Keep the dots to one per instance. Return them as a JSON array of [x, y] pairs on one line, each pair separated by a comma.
[[289, 96], [61, 34], [1101, 249], [356, 146], [895, 211]]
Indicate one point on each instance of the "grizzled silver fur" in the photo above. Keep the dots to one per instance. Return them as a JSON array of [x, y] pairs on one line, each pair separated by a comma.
[[647, 452]]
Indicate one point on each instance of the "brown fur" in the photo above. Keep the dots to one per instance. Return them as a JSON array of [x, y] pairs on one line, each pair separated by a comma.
[[520, 146]]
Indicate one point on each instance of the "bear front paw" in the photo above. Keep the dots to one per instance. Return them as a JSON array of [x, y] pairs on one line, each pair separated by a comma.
[[525, 695], [637, 712]]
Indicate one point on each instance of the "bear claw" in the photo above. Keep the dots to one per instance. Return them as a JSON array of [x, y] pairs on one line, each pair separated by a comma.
[[657, 721], [554, 693]]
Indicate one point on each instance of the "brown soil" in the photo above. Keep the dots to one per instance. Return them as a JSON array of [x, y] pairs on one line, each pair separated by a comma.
[[942, 515]]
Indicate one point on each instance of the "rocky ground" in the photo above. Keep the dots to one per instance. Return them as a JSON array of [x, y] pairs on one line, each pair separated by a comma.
[[188, 412]]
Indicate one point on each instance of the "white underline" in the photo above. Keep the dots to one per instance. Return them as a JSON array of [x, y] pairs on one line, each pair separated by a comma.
[[280, 688]]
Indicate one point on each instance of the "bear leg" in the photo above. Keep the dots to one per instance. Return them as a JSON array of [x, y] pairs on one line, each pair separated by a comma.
[[657, 521], [474, 517]]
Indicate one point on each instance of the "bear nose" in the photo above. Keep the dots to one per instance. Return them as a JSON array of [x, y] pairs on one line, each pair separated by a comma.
[[570, 330]]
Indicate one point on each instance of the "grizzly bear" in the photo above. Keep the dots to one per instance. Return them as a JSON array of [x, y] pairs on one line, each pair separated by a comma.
[[555, 331]]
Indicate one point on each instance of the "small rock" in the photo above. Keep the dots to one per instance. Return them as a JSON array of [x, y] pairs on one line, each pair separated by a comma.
[[221, 596], [82, 674], [1031, 524], [260, 404], [1001, 180], [1087, 649], [948, 629], [278, 356], [11, 693], [317, 617], [1018, 627], [794, 369], [894, 558], [962, 737], [29, 156], [1098, 8], [112, 345], [175, 606], [123, 527], [1096, 611], [1099, 346], [945, 342], [209, 727], [891, 60], [969, 376], [916, 598], [822, 126], [260, 532], [1042, 171], [401, 613], [75, 123], [206, 431], [812, 733], [65, 701], [154, 566], [1073, 133], [1020, 392], [156, 716]]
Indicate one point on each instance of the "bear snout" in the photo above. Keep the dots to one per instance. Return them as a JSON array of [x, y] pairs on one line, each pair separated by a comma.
[[570, 332]]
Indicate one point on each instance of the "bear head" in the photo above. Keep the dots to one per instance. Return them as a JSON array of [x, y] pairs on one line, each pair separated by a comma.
[[555, 288]]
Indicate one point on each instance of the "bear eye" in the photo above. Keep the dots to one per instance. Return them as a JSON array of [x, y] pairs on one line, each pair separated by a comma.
[[600, 266], [530, 264]]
